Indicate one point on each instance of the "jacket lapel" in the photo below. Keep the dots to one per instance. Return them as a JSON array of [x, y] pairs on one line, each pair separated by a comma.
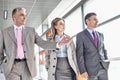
[[89, 36], [99, 40], [24, 33], [12, 34]]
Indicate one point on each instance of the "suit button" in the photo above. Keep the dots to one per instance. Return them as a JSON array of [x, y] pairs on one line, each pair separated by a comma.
[[53, 74], [22, 43], [24, 51], [53, 50], [54, 66], [54, 58]]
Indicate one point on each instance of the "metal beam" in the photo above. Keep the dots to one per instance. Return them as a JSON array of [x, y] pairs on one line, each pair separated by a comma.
[[74, 8], [109, 20]]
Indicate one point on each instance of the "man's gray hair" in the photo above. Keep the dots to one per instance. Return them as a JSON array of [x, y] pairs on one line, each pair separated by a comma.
[[17, 9]]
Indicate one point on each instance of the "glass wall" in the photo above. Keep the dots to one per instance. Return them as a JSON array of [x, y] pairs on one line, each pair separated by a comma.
[[105, 9], [112, 41], [74, 23]]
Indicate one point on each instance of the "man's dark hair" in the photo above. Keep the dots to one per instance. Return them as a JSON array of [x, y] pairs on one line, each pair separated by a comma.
[[89, 15], [17, 9]]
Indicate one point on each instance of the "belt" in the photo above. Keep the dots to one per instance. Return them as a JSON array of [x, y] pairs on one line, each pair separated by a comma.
[[20, 60]]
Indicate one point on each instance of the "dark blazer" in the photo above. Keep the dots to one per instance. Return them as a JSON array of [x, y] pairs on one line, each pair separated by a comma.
[[29, 38], [88, 55]]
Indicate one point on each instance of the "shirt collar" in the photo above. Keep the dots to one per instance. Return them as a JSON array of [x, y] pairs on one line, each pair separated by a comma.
[[89, 30], [20, 27], [58, 38]]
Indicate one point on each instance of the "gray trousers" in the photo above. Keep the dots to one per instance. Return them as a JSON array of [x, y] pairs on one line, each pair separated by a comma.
[[102, 75], [19, 72]]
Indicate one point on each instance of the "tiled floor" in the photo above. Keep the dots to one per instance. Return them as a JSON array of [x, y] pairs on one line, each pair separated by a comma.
[[41, 76], [3, 78], [114, 70]]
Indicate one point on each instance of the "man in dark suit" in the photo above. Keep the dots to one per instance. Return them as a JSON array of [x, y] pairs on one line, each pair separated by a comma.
[[17, 44], [90, 51]]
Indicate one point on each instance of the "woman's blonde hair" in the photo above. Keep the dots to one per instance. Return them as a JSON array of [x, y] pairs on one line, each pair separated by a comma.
[[53, 24]]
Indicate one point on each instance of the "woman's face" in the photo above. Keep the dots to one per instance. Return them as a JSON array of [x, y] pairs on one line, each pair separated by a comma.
[[60, 26]]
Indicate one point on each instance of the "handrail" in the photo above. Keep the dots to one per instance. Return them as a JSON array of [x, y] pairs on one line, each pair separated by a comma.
[[112, 59]]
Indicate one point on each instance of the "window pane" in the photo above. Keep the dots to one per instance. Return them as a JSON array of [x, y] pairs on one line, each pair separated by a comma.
[[111, 33], [105, 9], [74, 23]]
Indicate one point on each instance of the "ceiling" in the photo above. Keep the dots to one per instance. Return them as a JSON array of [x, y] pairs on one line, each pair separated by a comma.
[[37, 11]]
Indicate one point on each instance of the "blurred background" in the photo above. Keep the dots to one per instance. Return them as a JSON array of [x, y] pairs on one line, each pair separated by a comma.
[[40, 13]]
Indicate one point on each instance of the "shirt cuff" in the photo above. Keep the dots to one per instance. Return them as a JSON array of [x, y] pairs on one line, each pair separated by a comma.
[[57, 47]]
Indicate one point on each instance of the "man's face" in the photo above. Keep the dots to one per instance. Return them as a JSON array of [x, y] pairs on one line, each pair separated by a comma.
[[20, 17], [92, 21]]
